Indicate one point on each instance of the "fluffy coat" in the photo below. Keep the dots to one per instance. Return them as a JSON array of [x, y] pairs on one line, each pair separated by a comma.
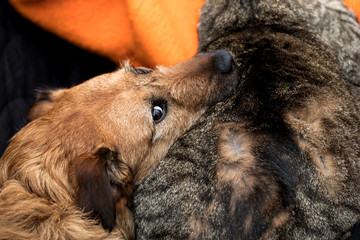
[[280, 158], [70, 172]]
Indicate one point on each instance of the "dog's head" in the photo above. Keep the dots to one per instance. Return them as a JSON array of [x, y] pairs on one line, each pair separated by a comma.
[[112, 130]]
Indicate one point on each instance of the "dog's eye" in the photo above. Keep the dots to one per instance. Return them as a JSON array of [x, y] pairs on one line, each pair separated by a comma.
[[159, 111], [141, 70]]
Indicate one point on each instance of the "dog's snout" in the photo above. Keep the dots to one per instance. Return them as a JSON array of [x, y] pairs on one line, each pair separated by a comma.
[[224, 62]]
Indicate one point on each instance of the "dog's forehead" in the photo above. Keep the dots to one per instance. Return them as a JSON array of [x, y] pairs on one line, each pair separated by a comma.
[[119, 80], [123, 86]]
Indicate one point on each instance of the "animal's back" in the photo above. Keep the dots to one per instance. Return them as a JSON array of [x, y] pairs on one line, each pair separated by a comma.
[[280, 158]]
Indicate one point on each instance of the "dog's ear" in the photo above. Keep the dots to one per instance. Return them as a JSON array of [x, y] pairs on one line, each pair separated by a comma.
[[102, 181], [45, 101]]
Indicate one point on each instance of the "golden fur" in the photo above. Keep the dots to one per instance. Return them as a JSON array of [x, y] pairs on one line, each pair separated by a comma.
[[75, 164]]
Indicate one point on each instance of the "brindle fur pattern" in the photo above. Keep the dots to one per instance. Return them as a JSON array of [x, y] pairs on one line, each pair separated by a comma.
[[280, 159]]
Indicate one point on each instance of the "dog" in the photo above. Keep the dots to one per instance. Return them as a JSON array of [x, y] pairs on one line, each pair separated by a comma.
[[68, 174], [280, 158]]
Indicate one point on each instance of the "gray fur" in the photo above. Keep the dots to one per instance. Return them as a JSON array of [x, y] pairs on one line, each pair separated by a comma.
[[319, 47], [330, 20]]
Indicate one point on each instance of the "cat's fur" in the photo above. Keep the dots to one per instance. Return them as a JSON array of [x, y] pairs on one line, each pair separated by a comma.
[[281, 158]]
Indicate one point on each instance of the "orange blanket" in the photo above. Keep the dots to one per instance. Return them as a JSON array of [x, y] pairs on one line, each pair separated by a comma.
[[147, 32], [354, 5]]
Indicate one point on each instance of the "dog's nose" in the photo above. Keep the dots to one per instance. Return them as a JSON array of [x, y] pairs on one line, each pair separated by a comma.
[[224, 62]]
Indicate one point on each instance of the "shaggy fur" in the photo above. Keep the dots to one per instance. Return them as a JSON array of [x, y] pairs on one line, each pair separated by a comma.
[[69, 173], [280, 159]]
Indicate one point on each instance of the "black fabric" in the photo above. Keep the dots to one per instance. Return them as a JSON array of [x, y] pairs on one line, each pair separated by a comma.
[[31, 59]]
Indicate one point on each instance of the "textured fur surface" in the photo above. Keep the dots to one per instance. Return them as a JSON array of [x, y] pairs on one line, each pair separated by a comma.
[[69, 173], [280, 158]]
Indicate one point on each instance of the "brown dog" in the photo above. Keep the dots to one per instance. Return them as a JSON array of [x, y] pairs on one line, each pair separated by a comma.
[[75, 164]]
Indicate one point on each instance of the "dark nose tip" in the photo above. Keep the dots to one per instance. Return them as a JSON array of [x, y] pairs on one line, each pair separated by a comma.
[[223, 61]]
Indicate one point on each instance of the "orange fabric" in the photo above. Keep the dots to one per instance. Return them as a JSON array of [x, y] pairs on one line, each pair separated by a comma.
[[354, 5], [148, 32]]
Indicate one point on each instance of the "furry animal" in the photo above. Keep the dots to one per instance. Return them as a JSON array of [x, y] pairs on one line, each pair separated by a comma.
[[69, 173], [280, 159]]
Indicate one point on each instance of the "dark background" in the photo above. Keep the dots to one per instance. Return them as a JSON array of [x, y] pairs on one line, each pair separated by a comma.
[[33, 59]]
